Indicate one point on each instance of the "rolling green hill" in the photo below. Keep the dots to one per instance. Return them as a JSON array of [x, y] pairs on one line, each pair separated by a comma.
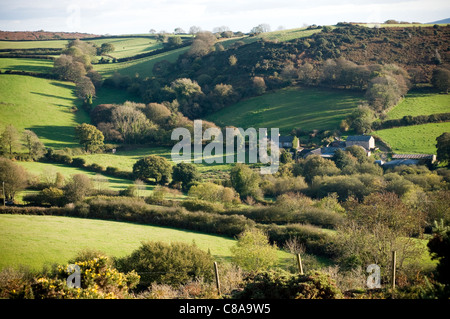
[[33, 44], [420, 139], [39, 169], [129, 46], [420, 102], [287, 35], [43, 106], [286, 109], [37, 240], [143, 66], [24, 64]]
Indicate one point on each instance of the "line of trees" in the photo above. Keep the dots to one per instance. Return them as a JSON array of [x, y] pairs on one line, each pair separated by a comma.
[[137, 123], [75, 64], [12, 141]]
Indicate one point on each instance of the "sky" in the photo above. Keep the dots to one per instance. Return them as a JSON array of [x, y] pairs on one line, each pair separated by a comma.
[[139, 16]]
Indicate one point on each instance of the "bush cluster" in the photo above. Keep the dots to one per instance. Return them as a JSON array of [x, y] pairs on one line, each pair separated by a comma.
[[283, 285], [98, 279], [173, 264]]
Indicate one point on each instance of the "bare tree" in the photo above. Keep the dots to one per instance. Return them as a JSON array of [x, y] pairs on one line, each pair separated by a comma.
[[194, 29], [35, 147], [203, 43], [131, 122], [262, 28], [9, 139]]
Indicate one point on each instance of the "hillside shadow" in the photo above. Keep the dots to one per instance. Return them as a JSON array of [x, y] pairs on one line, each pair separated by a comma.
[[58, 136], [52, 96], [62, 85], [27, 68]]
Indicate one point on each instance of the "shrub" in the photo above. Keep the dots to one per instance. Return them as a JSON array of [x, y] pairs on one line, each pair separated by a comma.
[[213, 193], [283, 285], [96, 168], [98, 280], [136, 210], [53, 196], [15, 283], [186, 174], [172, 264], [273, 186], [153, 166], [202, 205], [253, 251], [77, 188], [314, 239], [78, 162]]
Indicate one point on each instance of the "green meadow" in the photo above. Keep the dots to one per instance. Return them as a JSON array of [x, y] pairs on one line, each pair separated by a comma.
[[40, 169], [143, 67], [290, 34], [124, 159], [35, 241], [128, 46], [286, 109], [33, 44], [420, 102], [420, 139], [25, 64], [43, 106]]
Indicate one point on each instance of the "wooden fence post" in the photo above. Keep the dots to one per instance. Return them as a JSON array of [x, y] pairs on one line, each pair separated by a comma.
[[394, 262], [300, 266], [216, 270]]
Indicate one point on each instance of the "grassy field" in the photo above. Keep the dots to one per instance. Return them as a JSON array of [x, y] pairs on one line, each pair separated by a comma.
[[49, 169], [30, 65], [420, 102], [125, 159], [143, 66], [306, 108], [43, 106], [35, 241], [420, 139], [126, 47], [287, 35], [33, 44]]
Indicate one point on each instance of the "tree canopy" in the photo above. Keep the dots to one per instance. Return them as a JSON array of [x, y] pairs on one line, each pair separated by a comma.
[[155, 167], [90, 137]]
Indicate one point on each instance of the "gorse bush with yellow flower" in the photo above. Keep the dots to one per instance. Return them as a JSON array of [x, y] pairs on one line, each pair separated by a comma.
[[99, 280]]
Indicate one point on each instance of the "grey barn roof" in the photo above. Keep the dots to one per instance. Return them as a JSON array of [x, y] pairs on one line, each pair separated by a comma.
[[359, 138], [412, 156], [398, 162], [284, 139]]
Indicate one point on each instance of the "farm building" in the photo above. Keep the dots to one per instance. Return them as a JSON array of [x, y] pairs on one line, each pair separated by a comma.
[[399, 162], [288, 142], [328, 152], [366, 141], [410, 159], [425, 158]]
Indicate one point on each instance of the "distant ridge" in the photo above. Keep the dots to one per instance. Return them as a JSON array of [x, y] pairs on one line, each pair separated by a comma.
[[42, 35], [440, 21]]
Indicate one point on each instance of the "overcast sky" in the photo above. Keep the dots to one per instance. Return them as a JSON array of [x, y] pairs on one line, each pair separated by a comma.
[[139, 16]]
